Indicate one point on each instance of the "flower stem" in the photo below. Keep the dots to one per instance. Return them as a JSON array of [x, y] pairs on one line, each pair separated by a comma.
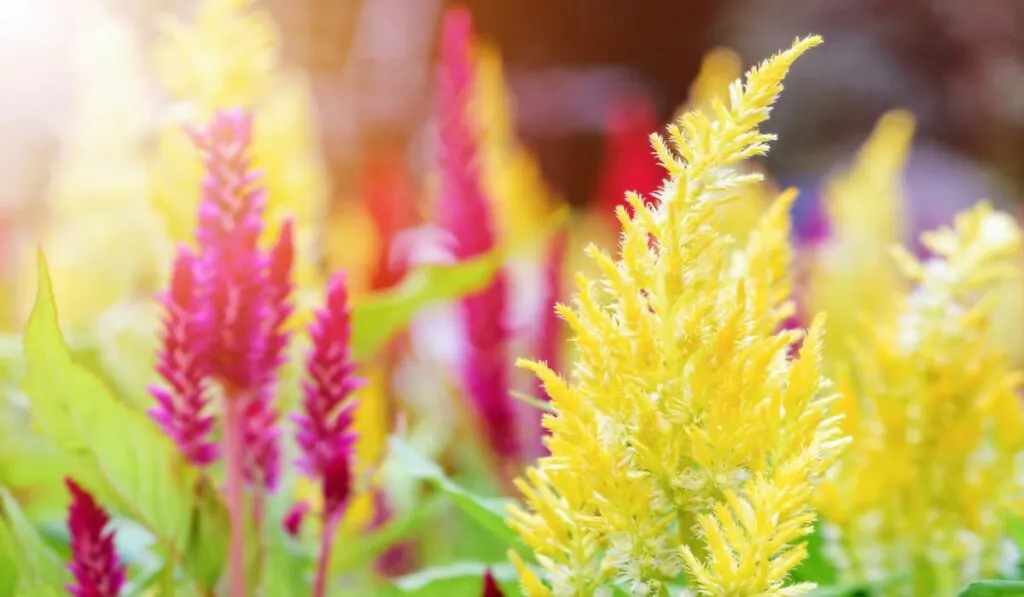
[[233, 458], [330, 529]]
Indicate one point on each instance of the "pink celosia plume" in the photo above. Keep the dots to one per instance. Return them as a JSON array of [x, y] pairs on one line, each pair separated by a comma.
[[94, 563], [465, 214], [181, 407], [627, 161], [324, 426]]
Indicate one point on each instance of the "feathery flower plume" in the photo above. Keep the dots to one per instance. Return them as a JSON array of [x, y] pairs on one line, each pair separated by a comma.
[[95, 565], [230, 223], [325, 432], [685, 439], [934, 469], [465, 214], [181, 409]]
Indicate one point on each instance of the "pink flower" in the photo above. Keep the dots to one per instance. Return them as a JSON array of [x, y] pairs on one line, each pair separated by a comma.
[[294, 518], [465, 214], [181, 409], [230, 223], [97, 570], [325, 435]]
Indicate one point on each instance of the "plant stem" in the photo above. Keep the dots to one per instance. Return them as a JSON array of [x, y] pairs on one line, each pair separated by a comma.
[[330, 529], [233, 459]]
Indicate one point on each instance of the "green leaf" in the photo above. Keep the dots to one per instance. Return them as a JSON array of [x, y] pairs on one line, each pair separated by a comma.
[[994, 588], [115, 451], [815, 568], [461, 578], [21, 543], [285, 563], [488, 512], [379, 317]]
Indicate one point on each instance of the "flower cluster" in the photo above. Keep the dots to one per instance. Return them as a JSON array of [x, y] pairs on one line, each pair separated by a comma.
[[685, 438], [933, 471], [227, 308]]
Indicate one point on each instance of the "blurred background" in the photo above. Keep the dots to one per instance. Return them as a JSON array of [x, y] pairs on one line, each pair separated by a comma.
[[957, 65]]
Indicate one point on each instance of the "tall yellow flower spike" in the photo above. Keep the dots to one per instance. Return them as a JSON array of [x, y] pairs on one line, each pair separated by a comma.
[[228, 58], [852, 275], [934, 469], [510, 175], [720, 67], [685, 438]]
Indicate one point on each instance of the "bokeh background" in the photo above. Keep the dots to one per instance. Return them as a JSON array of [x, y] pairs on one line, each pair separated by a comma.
[[957, 65]]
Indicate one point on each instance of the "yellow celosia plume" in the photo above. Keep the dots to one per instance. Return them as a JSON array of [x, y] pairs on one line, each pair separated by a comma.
[[922, 496], [685, 439], [852, 276], [511, 177], [720, 67]]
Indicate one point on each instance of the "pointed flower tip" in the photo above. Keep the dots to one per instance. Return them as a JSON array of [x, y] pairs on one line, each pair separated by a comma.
[[490, 587], [95, 564], [294, 518]]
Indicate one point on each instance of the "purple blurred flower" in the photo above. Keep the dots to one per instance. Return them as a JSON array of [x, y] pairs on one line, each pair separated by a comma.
[[465, 214], [95, 565]]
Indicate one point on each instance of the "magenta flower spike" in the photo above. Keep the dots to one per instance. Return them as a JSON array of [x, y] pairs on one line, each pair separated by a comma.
[[181, 407], [324, 426], [465, 214], [95, 565], [230, 222]]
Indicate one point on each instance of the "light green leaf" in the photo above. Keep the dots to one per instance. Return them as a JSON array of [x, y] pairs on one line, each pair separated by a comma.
[[379, 317], [115, 451], [20, 542], [994, 588], [537, 403], [365, 548], [456, 580], [488, 512]]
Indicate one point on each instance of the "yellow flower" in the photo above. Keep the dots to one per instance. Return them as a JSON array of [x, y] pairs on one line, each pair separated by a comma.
[[720, 67], [685, 439], [923, 493], [511, 177], [852, 276]]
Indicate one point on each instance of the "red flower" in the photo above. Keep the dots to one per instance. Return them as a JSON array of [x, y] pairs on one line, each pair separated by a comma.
[[97, 570]]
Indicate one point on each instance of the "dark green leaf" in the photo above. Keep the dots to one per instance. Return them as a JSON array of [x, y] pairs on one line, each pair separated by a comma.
[[115, 451]]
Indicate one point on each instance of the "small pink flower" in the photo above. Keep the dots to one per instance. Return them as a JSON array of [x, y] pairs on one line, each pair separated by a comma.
[[95, 565], [294, 518], [181, 409], [325, 435]]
